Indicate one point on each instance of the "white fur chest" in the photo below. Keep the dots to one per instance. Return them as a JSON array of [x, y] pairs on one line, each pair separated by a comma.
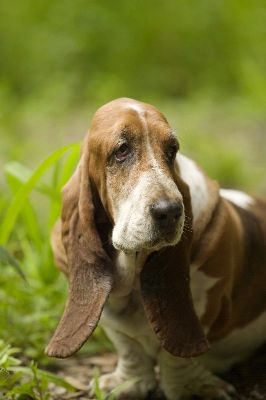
[[126, 315], [124, 312]]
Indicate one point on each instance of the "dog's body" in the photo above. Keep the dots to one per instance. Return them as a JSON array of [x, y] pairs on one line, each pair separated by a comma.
[[167, 221]]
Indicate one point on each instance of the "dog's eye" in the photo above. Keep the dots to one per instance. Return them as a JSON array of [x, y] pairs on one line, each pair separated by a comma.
[[171, 152], [122, 152]]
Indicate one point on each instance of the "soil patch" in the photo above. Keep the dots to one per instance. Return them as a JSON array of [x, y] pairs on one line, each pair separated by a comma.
[[249, 377]]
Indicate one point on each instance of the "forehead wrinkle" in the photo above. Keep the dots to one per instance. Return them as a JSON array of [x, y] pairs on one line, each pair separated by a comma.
[[147, 114], [134, 106]]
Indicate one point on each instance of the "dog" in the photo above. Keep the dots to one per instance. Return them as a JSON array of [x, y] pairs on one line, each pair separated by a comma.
[[172, 266]]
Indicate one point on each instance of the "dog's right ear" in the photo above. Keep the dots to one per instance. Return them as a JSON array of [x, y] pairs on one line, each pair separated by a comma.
[[89, 267], [166, 293]]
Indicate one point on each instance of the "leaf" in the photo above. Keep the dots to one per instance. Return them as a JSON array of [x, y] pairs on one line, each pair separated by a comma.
[[123, 386], [57, 380], [7, 259], [17, 172], [4, 376], [25, 390], [28, 214], [69, 165], [49, 376], [22, 194], [98, 392]]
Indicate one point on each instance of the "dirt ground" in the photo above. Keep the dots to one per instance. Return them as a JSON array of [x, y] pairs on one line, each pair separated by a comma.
[[249, 377]]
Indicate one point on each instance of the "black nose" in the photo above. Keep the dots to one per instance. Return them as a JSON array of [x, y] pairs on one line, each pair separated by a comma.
[[166, 212]]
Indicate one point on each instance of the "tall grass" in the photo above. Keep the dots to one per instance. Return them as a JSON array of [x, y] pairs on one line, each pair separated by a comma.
[[31, 294]]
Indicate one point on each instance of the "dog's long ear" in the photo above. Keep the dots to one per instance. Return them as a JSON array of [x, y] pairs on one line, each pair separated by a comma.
[[166, 294], [89, 267]]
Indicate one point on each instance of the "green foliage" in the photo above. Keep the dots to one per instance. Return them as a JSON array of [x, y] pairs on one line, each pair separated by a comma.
[[24, 382], [92, 51], [102, 395], [98, 392], [7, 259], [23, 193]]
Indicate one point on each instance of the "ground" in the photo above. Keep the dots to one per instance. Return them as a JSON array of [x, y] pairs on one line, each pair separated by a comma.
[[249, 377]]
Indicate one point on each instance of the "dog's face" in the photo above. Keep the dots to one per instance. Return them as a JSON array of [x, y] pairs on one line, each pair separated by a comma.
[[137, 150]]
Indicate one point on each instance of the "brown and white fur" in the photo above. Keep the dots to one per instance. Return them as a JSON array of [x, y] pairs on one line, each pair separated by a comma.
[[169, 263]]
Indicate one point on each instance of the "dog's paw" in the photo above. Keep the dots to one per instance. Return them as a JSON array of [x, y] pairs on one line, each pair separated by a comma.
[[218, 390], [123, 389], [214, 389]]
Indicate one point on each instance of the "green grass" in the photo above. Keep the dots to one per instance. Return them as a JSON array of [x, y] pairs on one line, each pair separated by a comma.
[[24, 382]]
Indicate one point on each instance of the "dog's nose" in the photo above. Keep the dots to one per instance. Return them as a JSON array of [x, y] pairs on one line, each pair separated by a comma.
[[166, 212]]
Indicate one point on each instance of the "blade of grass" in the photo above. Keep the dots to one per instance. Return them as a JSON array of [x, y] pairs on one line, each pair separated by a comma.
[[17, 202], [16, 171], [69, 164], [28, 213], [55, 203], [62, 171], [49, 376], [7, 259]]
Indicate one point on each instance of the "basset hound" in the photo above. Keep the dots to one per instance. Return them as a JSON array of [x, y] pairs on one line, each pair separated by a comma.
[[173, 267]]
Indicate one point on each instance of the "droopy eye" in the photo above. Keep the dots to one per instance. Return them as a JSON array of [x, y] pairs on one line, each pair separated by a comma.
[[122, 152], [171, 152]]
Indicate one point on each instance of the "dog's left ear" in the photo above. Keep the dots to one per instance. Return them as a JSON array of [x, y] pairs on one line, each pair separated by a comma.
[[166, 294], [89, 267]]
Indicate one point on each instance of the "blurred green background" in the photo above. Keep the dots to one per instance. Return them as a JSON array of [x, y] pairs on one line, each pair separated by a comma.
[[201, 63]]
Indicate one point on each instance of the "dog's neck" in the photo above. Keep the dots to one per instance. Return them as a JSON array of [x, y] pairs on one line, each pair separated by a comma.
[[127, 270]]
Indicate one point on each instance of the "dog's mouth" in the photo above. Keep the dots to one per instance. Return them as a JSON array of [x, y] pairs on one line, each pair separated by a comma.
[[158, 240]]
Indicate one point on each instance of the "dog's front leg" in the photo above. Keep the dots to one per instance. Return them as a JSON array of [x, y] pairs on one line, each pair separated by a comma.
[[134, 371], [183, 378]]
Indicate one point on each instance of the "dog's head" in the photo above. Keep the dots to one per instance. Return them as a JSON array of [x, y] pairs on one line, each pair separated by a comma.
[[133, 148], [128, 184]]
